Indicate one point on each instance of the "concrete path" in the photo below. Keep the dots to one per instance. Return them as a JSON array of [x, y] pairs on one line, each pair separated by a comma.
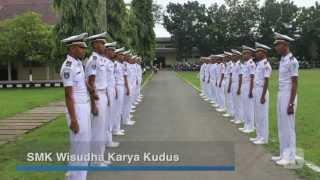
[[13, 127], [173, 111]]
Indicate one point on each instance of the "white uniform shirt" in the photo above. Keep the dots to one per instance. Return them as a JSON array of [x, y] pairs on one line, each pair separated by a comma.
[[111, 79], [120, 72], [72, 75], [218, 76], [248, 70], [206, 72], [202, 71], [263, 70], [97, 66], [236, 68], [131, 74], [139, 72], [221, 70], [212, 72], [288, 68], [228, 70]]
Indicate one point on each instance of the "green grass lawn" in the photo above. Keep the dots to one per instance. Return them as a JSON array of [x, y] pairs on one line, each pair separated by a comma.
[[307, 122], [53, 137], [50, 138], [14, 101]]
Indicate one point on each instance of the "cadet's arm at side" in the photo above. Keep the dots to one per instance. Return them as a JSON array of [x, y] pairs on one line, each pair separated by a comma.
[[230, 82], [251, 83], [92, 90], [294, 88], [265, 87], [240, 83], [221, 79], [70, 103], [126, 84]]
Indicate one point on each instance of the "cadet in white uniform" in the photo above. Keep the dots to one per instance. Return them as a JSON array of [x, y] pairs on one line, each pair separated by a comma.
[[77, 102], [119, 80], [221, 81], [248, 72], [111, 93], [139, 76], [133, 80], [210, 78], [216, 81], [227, 86], [127, 98], [201, 76], [206, 79], [236, 68], [287, 100], [96, 74], [213, 79], [137, 72], [261, 95]]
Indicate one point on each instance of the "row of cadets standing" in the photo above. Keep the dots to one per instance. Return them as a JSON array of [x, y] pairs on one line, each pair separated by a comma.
[[240, 90], [95, 96]]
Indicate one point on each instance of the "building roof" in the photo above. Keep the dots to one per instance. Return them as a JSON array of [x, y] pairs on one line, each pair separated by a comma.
[[12, 8]]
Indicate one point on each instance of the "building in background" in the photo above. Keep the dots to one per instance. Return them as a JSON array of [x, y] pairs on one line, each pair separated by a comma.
[[20, 71]]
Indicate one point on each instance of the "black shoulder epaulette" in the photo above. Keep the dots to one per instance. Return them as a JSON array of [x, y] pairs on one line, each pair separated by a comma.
[[68, 63], [292, 58]]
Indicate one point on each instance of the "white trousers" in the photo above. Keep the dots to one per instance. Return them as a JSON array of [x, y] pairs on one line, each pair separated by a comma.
[[236, 102], [126, 106], [205, 87], [98, 125], [229, 99], [110, 114], [286, 126], [138, 91], [201, 85], [133, 94], [80, 142], [248, 111], [118, 108], [213, 90], [222, 96], [261, 114]]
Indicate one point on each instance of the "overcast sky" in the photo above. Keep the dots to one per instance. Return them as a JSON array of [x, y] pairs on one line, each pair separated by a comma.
[[161, 32]]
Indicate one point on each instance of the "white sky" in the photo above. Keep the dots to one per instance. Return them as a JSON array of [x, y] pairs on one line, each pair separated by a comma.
[[162, 32]]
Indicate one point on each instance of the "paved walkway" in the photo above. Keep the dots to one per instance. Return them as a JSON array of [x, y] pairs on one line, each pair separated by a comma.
[[173, 111], [13, 127]]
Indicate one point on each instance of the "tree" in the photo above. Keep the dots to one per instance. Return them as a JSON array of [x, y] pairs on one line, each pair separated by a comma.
[[144, 22], [25, 39], [308, 31], [77, 16], [237, 22], [117, 18], [188, 24]]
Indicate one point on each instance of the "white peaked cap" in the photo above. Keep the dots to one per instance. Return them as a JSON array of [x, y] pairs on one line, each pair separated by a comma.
[[227, 53], [76, 40], [236, 52], [113, 44], [247, 48], [119, 50], [260, 46], [101, 36], [282, 38]]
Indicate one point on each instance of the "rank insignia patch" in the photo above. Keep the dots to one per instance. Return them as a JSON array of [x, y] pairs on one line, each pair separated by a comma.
[[66, 75]]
